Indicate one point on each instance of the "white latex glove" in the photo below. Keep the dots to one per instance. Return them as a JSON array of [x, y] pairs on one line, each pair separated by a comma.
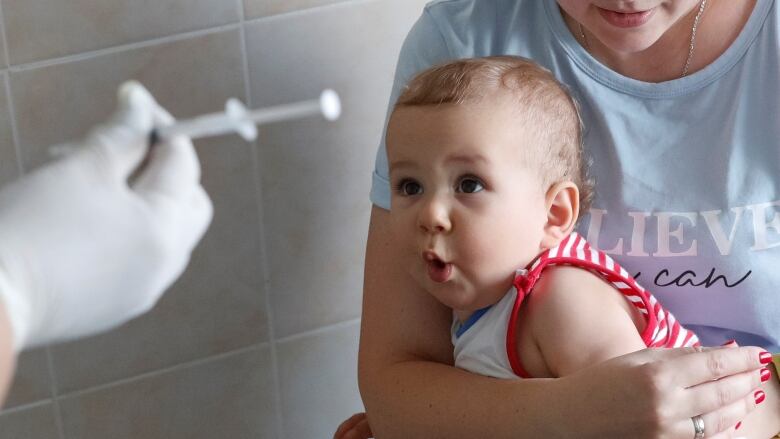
[[81, 249]]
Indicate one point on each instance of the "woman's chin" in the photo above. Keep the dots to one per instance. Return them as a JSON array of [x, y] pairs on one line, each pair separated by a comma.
[[628, 41]]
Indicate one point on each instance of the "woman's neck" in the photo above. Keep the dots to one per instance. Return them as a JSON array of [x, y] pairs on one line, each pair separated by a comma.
[[719, 25]]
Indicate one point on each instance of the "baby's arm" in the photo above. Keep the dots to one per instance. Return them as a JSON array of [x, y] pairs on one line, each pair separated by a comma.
[[576, 320]]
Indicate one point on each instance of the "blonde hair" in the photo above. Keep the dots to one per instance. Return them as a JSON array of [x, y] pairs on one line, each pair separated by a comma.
[[547, 106]]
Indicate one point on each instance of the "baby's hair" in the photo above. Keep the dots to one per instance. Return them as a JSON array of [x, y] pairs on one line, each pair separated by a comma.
[[548, 107]]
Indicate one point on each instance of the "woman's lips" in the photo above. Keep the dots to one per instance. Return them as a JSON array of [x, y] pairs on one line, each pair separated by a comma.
[[626, 19], [439, 271]]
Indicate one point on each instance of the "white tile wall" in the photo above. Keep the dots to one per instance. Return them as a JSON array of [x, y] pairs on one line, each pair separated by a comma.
[[324, 168], [42, 29], [318, 380], [35, 422], [261, 8], [259, 337]]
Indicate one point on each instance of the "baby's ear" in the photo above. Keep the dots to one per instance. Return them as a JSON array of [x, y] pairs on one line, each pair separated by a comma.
[[563, 205]]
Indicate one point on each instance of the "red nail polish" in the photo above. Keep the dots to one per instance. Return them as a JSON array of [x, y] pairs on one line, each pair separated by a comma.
[[759, 396], [765, 357], [732, 341], [765, 374], [739, 424]]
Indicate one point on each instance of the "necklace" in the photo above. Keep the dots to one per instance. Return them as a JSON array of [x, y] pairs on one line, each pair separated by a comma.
[[691, 47]]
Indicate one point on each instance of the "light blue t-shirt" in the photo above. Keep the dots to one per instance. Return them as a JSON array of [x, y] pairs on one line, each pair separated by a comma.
[[687, 171]]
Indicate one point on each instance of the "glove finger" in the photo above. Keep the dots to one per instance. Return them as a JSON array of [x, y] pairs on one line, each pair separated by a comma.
[[173, 170], [122, 142], [180, 223], [195, 218], [161, 117]]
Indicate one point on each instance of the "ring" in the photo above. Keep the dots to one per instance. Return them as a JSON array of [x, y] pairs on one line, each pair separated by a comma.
[[698, 425]]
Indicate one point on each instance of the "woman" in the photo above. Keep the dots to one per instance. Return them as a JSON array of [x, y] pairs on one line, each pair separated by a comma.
[[679, 103]]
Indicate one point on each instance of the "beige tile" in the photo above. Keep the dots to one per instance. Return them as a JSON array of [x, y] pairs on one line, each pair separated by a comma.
[[318, 381], [316, 174], [218, 305], [41, 29], [264, 8], [33, 423], [232, 397], [9, 164], [61, 102], [32, 381]]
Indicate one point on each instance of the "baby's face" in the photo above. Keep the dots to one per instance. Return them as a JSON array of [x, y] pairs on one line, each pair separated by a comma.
[[466, 208]]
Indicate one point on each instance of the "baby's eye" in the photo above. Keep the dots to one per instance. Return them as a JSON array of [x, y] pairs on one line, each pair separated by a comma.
[[408, 187], [469, 185]]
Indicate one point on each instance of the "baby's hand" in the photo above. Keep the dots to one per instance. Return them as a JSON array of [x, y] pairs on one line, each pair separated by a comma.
[[356, 427]]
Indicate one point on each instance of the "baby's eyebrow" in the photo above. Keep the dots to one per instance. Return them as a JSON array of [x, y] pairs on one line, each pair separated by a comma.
[[467, 158], [400, 164]]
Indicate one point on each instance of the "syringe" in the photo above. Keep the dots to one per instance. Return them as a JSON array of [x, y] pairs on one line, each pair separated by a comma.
[[237, 118]]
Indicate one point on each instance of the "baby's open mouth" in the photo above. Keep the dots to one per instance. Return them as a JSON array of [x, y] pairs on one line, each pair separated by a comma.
[[438, 270]]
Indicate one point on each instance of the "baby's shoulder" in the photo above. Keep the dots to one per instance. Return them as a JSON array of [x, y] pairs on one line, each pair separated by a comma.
[[567, 279], [567, 291]]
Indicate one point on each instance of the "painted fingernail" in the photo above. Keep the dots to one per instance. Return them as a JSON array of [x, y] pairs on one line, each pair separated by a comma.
[[765, 374], [739, 424], [765, 357], [732, 341], [759, 396]]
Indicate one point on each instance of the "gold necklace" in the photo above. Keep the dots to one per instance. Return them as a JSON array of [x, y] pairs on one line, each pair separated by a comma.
[[691, 47]]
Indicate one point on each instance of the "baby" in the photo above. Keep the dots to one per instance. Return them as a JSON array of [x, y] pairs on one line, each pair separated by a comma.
[[488, 179]]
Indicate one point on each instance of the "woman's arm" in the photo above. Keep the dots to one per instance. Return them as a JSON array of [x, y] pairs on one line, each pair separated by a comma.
[[7, 356], [410, 388]]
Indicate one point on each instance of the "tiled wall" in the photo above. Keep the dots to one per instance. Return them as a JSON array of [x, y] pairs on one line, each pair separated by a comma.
[[258, 339]]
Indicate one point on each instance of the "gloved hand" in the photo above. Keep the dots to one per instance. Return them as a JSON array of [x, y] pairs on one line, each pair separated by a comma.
[[82, 249]]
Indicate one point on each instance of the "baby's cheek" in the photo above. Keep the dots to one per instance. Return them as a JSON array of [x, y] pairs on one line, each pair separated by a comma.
[[487, 258]]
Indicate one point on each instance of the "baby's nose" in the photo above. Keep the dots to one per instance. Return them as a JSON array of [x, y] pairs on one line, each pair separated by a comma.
[[435, 218]]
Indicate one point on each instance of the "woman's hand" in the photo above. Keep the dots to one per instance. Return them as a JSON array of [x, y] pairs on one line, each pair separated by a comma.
[[655, 393], [356, 427]]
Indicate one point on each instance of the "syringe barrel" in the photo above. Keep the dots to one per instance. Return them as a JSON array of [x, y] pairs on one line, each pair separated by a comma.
[[201, 126], [284, 112]]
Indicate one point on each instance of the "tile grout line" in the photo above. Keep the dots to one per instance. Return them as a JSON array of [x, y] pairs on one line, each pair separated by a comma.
[[163, 371], [318, 331], [267, 294], [304, 11], [122, 48], [23, 407], [7, 57], [7, 80], [12, 121], [54, 396], [254, 154]]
